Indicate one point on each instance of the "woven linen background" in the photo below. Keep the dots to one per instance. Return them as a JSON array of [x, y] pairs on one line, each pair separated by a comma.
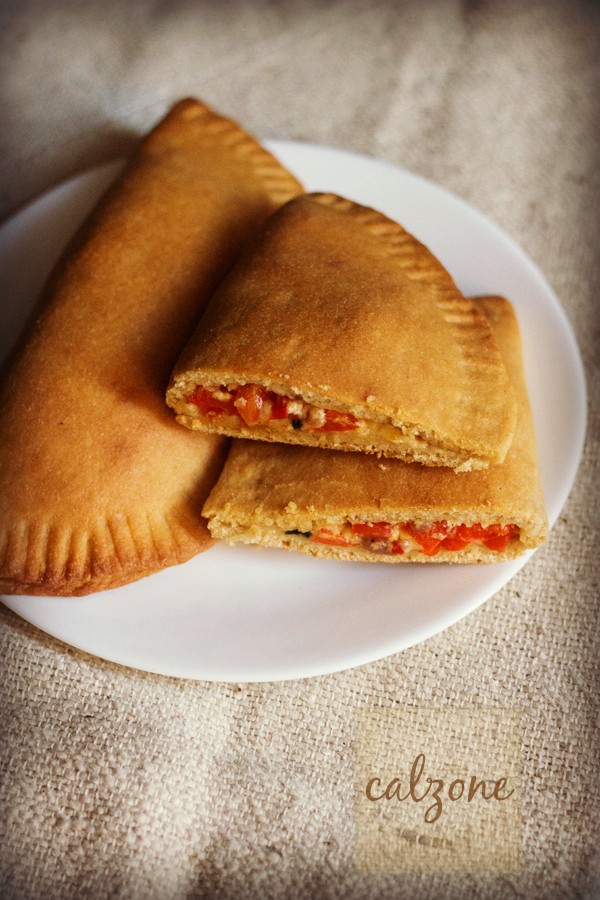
[[121, 784]]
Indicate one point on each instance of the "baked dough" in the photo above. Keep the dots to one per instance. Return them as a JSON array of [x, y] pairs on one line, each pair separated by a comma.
[[301, 498], [361, 332], [98, 485]]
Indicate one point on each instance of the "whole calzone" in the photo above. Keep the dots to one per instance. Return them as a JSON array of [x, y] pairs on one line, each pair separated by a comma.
[[98, 485]]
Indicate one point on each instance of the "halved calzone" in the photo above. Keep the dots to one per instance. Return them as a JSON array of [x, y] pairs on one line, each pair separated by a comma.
[[98, 485], [355, 506], [341, 330]]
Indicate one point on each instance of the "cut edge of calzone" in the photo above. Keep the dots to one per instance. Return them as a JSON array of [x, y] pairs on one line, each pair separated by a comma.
[[355, 507], [340, 330]]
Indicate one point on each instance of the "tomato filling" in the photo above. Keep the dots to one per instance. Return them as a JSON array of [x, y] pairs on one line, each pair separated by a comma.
[[211, 405], [336, 539], [256, 405], [383, 537]]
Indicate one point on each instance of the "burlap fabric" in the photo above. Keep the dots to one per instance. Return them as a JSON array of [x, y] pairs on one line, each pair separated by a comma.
[[120, 784]]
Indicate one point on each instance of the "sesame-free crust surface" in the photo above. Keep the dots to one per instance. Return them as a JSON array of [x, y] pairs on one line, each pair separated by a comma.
[[268, 489], [340, 306], [98, 485]]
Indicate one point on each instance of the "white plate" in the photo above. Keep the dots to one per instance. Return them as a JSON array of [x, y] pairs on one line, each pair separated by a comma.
[[257, 615]]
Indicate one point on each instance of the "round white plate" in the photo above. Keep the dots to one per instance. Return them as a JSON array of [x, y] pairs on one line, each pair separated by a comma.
[[250, 614]]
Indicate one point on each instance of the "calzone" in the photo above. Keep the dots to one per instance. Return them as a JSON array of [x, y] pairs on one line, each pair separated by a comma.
[[341, 330]]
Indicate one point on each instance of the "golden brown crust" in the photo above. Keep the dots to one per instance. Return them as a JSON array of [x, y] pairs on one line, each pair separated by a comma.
[[342, 307], [267, 489], [98, 485]]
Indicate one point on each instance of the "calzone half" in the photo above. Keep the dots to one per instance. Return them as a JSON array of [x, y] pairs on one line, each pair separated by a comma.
[[355, 506], [98, 485], [341, 330]]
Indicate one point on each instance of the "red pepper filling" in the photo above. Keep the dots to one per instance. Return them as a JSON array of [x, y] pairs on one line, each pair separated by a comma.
[[209, 405], [256, 405], [430, 538], [327, 536]]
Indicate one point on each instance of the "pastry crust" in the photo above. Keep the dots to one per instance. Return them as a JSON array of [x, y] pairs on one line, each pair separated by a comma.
[[266, 490], [98, 485], [340, 307]]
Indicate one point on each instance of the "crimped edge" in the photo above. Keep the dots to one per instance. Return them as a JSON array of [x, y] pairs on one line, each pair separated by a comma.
[[279, 184], [468, 324], [47, 558]]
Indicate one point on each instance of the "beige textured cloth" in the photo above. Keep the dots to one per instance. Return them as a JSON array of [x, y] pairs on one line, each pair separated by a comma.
[[121, 784]]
